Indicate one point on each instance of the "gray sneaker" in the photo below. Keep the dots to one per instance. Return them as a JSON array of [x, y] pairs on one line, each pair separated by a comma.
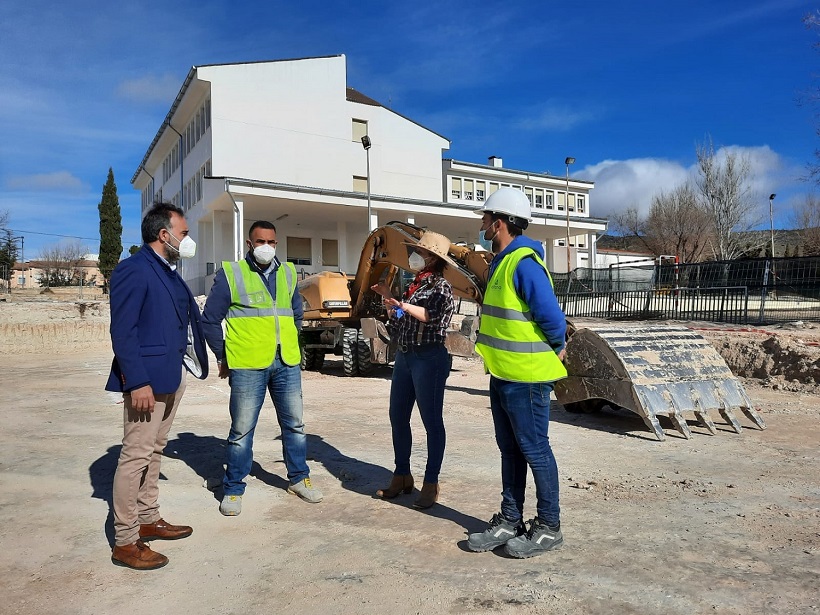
[[500, 531], [538, 539], [231, 505], [305, 490]]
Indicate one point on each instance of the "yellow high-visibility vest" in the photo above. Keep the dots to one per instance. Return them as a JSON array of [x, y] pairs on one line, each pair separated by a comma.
[[511, 343], [254, 325]]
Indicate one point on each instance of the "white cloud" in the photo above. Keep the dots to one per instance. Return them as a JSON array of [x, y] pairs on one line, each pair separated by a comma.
[[60, 180], [553, 116], [620, 184], [150, 88]]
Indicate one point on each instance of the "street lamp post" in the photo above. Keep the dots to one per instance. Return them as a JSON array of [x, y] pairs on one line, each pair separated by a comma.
[[771, 219], [771, 228], [568, 161], [366, 145]]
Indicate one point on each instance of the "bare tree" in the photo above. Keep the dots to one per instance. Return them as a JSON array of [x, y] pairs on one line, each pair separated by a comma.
[[628, 226], [807, 221], [724, 191], [61, 264], [676, 225]]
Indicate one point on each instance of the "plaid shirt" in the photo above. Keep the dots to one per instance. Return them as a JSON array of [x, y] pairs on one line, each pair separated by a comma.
[[436, 295]]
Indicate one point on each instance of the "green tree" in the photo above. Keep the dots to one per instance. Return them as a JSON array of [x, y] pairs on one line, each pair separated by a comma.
[[8, 249], [110, 229], [133, 250]]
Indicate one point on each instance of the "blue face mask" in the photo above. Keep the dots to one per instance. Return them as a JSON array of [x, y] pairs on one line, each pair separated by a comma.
[[485, 243]]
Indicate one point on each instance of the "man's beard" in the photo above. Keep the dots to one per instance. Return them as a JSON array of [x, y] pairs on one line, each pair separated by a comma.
[[171, 255]]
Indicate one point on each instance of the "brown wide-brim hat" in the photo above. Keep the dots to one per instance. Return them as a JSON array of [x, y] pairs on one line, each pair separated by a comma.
[[437, 244]]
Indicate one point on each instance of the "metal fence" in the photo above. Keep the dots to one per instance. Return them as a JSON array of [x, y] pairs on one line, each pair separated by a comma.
[[752, 291]]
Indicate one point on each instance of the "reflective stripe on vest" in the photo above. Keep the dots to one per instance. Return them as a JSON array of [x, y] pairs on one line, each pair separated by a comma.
[[511, 343], [254, 325]]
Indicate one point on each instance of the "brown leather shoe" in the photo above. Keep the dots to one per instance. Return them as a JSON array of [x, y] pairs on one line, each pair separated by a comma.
[[428, 496], [138, 556], [162, 530]]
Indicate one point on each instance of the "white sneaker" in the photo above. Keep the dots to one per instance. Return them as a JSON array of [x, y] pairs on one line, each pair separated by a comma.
[[305, 490], [231, 505]]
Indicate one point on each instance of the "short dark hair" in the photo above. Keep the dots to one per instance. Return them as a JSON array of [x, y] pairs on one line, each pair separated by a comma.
[[261, 224], [513, 229], [158, 218]]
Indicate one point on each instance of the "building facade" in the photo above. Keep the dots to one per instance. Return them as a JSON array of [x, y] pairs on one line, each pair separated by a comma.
[[282, 141]]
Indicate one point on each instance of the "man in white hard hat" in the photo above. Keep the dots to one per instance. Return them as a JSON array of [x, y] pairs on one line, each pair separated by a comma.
[[521, 339]]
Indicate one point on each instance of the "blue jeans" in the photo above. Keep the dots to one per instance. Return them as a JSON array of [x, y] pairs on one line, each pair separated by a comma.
[[521, 414], [418, 377], [248, 386]]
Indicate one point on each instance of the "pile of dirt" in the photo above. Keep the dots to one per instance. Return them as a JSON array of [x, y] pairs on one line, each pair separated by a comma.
[[782, 362]]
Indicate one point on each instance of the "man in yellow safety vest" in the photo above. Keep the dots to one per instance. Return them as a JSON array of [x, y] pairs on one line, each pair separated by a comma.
[[262, 310], [521, 339]]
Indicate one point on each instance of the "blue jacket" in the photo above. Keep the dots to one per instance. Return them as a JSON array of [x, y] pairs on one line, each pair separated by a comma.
[[219, 301], [149, 333], [534, 287]]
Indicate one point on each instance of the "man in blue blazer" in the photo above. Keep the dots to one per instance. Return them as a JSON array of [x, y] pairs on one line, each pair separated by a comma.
[[156, 334]]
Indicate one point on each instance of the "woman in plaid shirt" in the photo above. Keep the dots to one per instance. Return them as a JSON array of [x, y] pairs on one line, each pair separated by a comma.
[[418, 323]]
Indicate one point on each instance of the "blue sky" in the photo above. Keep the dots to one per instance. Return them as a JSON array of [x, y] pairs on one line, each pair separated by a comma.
[[628, 88]]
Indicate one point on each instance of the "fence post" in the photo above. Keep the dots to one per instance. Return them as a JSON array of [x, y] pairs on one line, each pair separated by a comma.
[[764, 292]]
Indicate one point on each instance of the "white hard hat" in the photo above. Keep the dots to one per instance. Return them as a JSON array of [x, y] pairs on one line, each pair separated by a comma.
[[512, 202]]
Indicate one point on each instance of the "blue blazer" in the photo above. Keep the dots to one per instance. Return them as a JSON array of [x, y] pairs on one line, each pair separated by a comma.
[[148, 332]]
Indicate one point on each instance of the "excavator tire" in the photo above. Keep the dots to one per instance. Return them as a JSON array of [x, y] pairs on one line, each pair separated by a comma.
[[312, 359], [652, 370], [350, 352], [363, 349]]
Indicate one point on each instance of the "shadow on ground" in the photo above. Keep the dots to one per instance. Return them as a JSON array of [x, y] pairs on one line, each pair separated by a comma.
[[366, 478]]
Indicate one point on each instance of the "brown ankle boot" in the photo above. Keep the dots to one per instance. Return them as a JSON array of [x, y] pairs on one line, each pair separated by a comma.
[[428, 497], [400, 483]]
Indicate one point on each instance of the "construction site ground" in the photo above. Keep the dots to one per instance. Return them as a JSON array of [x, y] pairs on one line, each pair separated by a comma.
[[725, 524]]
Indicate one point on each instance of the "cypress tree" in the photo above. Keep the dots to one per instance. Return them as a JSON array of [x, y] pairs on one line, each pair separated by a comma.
[[110, 228]]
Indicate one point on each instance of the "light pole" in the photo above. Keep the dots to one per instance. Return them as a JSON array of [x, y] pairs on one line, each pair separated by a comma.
[[568, 161], [771, 219], [771, 228], [366, 145]]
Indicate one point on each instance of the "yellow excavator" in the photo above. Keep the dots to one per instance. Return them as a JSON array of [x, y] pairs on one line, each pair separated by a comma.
[[652, 370]]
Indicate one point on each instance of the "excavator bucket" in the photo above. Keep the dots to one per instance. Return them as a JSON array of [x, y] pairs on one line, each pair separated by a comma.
[[652, 370]]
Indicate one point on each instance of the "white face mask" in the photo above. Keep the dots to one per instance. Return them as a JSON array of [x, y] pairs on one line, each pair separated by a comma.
[[416, 262], [187, 247], [264, 254]]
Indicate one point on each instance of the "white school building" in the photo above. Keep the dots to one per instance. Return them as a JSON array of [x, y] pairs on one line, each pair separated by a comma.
[[282, 141]]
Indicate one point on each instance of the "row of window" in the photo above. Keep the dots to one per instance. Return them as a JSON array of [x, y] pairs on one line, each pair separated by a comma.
[[192, 191], [467, 189], [200, 122]]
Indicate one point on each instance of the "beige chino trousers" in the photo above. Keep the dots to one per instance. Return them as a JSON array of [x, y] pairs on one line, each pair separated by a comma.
[[136, 481]]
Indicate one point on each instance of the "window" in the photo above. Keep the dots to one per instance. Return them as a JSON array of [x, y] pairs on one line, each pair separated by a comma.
[[299, 250], [493, 187], [539, 198], [359, 130], [468, 189], [330, 253], [561, 199], [207, 113], [528, 192], [549, 199], [480, 190], [455, 190], [572, 202], [359, 184], [581, 204]]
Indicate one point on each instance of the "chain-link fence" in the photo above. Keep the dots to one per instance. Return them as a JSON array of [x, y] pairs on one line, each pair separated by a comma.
[[761, 290]]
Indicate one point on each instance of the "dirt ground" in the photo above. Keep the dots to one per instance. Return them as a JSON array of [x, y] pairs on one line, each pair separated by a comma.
[[716, 524]]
